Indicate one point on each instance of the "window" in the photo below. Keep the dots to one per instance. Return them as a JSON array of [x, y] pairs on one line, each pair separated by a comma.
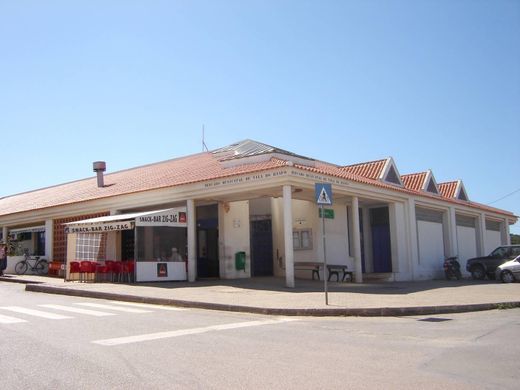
[[302, 239]]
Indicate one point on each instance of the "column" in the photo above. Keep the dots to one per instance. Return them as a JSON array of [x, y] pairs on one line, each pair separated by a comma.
[[504, 231], [356, 238], [192, 240], [4, 234], [413, 248], [367, 240], [482, 235], [49, 234], [452, 233], [288, 236]]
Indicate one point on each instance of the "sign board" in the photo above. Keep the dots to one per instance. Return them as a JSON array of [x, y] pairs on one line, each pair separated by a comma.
[[327, 213], [323, 193], [101, 227], [171, 217]]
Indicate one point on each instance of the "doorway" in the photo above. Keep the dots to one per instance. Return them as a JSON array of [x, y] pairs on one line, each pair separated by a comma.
[[207, 242], [381, 249], [261, 248]]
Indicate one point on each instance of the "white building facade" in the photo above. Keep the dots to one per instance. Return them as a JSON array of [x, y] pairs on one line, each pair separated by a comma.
[[253, 202]]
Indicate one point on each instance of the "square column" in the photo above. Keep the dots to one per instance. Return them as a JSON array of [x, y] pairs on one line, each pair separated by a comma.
[[49, 238], [192, 240], [452, 233], [356, 241], [413, 243], [482, 235], [288, 236]]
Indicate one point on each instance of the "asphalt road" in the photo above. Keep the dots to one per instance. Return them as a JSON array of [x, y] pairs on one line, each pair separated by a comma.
[[62, 342]]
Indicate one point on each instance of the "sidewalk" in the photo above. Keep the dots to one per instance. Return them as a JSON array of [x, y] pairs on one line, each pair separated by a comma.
[[270, 296]]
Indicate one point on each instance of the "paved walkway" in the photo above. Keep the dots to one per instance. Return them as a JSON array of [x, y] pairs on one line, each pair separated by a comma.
[[270, 296]]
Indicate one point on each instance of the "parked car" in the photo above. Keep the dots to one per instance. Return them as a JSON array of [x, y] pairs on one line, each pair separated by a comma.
[[480, 267], [509, 271]]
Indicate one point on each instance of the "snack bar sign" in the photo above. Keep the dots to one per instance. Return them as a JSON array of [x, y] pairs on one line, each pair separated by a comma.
[[100, 227], [172, 217]]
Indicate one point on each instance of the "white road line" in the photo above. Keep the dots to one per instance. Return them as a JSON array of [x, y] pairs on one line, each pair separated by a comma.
[[36, 313], [79, 310], [148, 305], [10, 320], [186, 332], [111, 307]]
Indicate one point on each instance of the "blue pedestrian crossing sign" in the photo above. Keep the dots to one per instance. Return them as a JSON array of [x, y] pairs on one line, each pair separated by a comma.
[[323, 193]]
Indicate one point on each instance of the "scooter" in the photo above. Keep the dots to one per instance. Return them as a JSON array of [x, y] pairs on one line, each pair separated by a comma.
[[452, 268]]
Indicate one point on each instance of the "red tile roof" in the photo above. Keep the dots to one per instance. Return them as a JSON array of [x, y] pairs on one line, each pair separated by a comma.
[[448, 189], [370, 169], [191, 169], [414, 181], [185, 170]]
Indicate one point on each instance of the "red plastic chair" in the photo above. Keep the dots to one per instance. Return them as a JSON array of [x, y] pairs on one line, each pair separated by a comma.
[[128, 270], [110, 268], [117, 271], [85, 268], [130, 264], [101, 270], [73, 269]]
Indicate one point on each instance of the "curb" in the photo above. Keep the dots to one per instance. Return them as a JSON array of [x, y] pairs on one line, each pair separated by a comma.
[[15, 280], [325, 312]]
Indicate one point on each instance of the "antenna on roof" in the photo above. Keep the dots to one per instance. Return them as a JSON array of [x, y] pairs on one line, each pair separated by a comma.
[[204, 147]]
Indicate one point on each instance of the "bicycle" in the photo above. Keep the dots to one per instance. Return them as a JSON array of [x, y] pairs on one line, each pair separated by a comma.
[[40, 266]]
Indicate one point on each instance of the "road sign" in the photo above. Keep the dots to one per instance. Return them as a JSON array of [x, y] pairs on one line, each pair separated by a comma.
[[326, 213], [323, 193]]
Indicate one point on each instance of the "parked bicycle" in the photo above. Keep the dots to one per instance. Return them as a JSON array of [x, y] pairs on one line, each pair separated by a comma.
[[35, 264]]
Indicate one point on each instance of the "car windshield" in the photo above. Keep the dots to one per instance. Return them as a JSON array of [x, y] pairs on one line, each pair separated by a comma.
[[499, 252]]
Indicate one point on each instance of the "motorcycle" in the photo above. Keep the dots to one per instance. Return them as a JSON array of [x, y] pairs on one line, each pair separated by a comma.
[[452, 268]]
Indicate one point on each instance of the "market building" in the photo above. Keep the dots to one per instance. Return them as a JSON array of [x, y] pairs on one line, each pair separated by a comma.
[[249, 209]]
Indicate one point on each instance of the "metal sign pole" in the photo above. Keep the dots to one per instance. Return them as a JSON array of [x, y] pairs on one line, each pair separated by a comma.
[[323, 196], [325, 269]]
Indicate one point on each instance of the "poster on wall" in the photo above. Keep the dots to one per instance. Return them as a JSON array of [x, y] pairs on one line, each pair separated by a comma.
[[162, 270]]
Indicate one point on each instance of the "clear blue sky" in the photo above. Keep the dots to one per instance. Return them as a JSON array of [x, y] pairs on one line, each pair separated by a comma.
[[434, 84]]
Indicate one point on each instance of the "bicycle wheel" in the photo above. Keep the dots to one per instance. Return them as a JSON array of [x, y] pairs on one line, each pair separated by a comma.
[[21, 267], [42, 267]]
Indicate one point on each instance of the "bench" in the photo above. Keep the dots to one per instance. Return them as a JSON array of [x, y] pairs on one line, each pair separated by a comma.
[[313, 267], [333, 269]]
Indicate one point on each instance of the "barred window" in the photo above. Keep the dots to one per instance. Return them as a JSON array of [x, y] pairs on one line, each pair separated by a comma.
[[90, 246]]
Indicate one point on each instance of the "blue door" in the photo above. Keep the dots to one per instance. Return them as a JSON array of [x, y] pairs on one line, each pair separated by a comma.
[[381, 249], [261, 248]]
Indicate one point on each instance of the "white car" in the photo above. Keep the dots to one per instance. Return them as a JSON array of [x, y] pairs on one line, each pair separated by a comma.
[[509, 271]]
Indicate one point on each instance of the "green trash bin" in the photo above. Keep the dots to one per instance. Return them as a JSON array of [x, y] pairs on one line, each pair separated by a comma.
[[240, 261]]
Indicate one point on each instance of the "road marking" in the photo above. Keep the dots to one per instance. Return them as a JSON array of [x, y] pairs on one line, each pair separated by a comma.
[[111, 307], [186, 332], [36, 313], [79, 310], [148, 305], [10, 320]]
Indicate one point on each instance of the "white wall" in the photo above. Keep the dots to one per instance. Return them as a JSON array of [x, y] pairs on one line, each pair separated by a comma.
[[491, 241], [467, 244], [431, 250], [234, 224], [306, 216]]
